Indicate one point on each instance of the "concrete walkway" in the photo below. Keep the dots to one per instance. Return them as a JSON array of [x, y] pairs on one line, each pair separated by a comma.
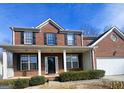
[[114, 77]]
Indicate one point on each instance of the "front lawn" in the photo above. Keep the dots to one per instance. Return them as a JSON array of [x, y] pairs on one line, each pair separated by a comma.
[[82, 84]]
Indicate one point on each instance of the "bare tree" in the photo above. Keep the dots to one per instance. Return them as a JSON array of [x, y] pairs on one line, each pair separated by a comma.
[[6, 41], [89, 30], [107, 27]]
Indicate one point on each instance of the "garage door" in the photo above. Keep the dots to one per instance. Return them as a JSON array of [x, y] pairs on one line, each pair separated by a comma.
[[112, 66]]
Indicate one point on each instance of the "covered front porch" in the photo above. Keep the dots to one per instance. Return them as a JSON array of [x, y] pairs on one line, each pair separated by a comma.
[[19, 60]]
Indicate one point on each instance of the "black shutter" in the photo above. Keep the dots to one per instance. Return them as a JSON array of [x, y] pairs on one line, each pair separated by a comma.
[[18, 61], [34, 38], [55, 39], [22, 37], [75, 39], [65, 39], [45, 39]]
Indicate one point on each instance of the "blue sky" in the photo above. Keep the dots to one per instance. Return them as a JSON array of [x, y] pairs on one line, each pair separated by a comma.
[[69, 16]]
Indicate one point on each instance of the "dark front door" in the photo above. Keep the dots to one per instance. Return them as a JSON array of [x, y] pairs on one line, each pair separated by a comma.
[[51, 64]]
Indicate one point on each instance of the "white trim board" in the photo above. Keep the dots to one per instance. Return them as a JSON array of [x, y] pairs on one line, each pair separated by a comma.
[[47, 21], [116, 30]]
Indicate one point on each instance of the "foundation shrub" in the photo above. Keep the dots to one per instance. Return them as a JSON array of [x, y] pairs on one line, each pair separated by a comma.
[[81, 75], [21, 83], [37, 80], [96, 74]]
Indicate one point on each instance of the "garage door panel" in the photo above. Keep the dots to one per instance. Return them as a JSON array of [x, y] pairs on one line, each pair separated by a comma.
[[112, 66]]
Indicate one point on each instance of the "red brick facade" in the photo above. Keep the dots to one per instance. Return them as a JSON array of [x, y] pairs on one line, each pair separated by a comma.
[[17, 37], [46, 29], [87, 41], [109, 48], [105, 48], [17, 71]]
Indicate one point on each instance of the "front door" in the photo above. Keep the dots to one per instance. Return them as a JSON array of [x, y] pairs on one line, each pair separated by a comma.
[[51, 64]]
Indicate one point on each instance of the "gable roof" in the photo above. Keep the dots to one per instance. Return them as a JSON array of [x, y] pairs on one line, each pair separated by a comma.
[[49, 20], [102, 36]]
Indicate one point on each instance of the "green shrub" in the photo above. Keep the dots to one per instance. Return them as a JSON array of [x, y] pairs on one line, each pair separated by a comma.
[[73, 75], [21, 83], [7, 82], [37, 80], [96, 74], [81, 75]]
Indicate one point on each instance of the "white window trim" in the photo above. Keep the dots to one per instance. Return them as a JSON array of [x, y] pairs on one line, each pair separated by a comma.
[[72, 61], [47, 40], [25, 38], [46, 65], [29, 63], [22, 63], [72, 39], [56, 64]]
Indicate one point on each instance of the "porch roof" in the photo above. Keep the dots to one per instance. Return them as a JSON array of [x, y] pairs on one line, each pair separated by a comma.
[[44, 48]]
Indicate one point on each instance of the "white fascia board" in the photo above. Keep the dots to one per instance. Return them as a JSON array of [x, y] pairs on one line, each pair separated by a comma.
[[117, 30], [45, 22]]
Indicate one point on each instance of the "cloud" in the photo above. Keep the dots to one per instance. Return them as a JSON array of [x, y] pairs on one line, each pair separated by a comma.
[[113, 15]]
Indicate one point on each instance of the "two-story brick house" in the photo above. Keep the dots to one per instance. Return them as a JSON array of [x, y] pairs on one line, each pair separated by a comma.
[[51, 49]]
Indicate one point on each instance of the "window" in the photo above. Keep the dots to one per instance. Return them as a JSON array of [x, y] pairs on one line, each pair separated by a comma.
[[114, 37], [24, 62], [28, 37], [28, 62], [51, 38], [70, 39], [72, 61], [33, 62]]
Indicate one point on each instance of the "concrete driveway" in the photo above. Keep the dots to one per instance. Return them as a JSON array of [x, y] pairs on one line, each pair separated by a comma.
[[114, 77]]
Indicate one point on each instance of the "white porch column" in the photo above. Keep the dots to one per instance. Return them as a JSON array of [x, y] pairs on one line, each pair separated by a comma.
[[39, 62], [93, 57], [64, 59], [4, 64]]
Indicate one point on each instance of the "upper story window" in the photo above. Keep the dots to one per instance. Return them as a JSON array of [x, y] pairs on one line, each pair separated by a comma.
[[50, 38], [28, 37], [70, 39]]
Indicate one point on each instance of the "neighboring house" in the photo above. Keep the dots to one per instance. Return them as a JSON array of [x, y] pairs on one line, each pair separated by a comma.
[[51, 49]]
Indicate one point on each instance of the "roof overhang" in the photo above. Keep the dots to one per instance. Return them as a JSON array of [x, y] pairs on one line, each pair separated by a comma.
[[49, 20], [44, 49], [71, 31], [24, 29], [106, 33]]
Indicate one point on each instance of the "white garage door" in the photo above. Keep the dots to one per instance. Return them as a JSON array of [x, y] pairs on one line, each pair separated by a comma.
[[112, 66]]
